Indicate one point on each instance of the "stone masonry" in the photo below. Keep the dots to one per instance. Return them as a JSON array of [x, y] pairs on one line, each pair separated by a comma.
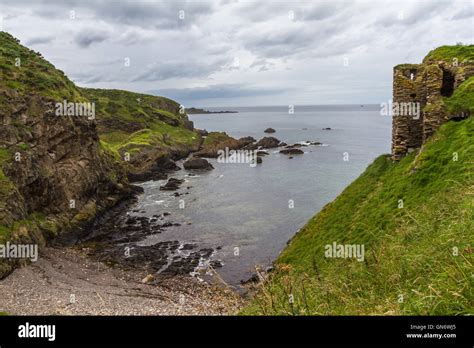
[[426, 84]]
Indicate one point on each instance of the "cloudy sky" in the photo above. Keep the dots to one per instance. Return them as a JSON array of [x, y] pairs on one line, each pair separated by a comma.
[[235, 53]]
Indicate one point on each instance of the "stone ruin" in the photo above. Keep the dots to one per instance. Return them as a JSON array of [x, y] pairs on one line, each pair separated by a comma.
[[426, 84]]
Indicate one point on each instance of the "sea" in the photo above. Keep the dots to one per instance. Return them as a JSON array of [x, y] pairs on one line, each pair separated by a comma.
[[248, 213]]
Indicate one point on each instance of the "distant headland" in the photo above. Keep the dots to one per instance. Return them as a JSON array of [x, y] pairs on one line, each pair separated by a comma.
[[192, 111]]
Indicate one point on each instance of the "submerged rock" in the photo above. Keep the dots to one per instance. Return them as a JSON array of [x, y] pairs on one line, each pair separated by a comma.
[[269, 130]]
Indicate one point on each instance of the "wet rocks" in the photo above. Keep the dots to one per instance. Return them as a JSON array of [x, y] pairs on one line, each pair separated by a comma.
[[259, 160], [269, 130], [172, 184], [197, 163], [291, 151], [268, 143], [219, 141], [262, 153], [327, 128]]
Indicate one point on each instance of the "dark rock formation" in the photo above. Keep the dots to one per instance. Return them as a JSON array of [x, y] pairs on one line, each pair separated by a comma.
[[268, 143], [291, 151], [269, 130], [172, 184], [197, 163], [219, 141]]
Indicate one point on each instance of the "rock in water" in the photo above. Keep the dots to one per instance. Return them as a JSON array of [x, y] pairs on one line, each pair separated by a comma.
[[197, 163], [172, 184], [268, 142], [291, 151], [269, 130]]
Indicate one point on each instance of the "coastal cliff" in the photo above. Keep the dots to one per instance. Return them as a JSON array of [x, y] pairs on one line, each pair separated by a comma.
[[58, 172]]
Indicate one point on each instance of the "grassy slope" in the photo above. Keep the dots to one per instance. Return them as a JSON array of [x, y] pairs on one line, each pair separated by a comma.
[[130, 122], [462, 99], [408, 251], [447, 53]]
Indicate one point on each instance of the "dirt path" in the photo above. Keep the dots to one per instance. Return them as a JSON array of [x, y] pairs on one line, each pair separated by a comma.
[[64, 281]]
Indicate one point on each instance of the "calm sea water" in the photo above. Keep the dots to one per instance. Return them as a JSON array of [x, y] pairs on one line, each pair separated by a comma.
[[238, 206]]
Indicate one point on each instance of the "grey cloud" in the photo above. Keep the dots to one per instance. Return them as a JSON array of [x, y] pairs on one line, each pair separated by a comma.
[[322, 11], [38, 40], [414, 12], [87, 37], [180, 69], [188, 95]]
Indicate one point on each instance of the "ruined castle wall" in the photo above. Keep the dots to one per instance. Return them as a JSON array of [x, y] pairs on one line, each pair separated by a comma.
[[426, 84], [407, 90]]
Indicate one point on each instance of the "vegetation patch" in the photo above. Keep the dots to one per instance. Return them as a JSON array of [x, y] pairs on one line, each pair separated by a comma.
[[415, 219]]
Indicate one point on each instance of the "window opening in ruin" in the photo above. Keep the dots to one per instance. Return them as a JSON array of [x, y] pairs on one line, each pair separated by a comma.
[[447, 86]]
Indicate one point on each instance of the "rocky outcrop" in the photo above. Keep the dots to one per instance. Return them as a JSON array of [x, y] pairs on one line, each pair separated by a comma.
[[292, 151], [269, 130], [268, 143], [197, 163], [219, 141], [419, 93], [172, 184]]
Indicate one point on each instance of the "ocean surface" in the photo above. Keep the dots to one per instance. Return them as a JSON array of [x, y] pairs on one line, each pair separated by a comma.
[[245, 212]]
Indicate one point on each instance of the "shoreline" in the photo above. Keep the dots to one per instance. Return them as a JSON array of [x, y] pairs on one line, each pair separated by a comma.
[[67, 282]]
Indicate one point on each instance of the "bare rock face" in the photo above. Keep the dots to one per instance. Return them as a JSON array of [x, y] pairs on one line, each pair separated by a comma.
[[55, 168], [197, 163], [269, 130]]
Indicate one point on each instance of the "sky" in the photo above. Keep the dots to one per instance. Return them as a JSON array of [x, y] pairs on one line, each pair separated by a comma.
[[239, 53]]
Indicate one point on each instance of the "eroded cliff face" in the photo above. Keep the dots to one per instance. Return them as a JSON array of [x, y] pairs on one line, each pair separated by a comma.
[[427, 85], [54, 174], [60, 170]]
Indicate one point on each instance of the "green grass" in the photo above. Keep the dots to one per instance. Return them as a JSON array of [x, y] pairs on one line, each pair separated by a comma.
[[448, 53], [26, 72], [409, 265], [462, 99], [133, 122], [215, 138]]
